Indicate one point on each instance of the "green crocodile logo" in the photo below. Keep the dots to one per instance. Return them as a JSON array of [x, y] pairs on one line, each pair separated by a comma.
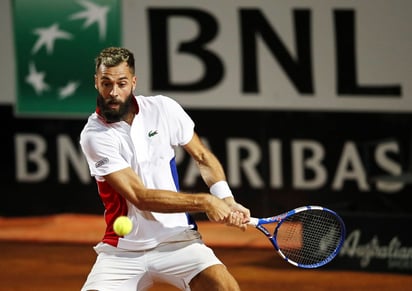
[[152, 133]]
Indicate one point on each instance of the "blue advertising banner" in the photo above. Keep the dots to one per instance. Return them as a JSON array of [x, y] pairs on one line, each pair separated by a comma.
[[377, 242], [274, 161]]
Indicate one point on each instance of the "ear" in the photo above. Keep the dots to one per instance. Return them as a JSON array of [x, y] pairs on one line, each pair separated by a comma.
[[95, 82], [134, 82]]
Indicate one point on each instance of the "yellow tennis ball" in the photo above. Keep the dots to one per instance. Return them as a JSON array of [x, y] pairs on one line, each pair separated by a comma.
[[122, 225]]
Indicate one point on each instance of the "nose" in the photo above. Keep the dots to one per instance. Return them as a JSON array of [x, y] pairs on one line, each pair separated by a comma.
[[113, 92]]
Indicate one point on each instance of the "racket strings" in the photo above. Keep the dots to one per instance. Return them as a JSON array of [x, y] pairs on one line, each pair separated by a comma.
[[309, 237]]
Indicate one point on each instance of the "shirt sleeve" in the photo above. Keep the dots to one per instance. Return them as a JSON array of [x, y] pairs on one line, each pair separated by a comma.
[[102, 153], [180, 123]]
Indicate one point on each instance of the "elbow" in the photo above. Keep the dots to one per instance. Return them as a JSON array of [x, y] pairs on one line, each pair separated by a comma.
[[141, 200]]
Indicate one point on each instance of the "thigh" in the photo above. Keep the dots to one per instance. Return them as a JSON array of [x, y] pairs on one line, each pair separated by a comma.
[[215, 277], [117, 271], [177, 263]]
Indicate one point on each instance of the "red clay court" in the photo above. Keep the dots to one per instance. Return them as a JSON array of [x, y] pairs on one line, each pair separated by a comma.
[[55, 253]]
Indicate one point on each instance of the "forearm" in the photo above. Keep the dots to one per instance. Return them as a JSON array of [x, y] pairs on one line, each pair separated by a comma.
[[168, 202], [210, 169], [128, 184], [165, 201], [209, 166]]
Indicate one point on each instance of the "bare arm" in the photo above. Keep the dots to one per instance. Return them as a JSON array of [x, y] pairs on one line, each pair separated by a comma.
[[209, 166], [128, 184], [212, 172]]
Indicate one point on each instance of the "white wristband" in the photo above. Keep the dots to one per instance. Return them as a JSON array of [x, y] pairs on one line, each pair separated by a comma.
[[221, 190]]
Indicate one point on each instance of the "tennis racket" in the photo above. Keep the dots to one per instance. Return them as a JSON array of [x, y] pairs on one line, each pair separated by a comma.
[[306, 237]]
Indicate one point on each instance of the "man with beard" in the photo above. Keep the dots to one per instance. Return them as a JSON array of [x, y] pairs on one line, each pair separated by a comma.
[[129, 145]]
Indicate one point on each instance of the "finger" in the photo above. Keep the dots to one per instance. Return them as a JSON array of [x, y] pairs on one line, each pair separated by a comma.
[[237, 219]]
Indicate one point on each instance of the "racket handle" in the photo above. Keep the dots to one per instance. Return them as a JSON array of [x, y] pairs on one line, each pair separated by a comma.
[[253, 221]]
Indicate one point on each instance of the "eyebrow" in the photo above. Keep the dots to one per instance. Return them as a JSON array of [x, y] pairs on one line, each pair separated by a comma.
[[120, 79]]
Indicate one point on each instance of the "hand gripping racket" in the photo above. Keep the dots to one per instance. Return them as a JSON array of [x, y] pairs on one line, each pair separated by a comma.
[[306, 237]]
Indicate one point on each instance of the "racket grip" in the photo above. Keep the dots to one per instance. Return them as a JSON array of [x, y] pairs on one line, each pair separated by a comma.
[[253, 221]]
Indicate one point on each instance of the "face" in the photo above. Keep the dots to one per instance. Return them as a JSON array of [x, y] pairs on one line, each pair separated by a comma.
[[115, 86]]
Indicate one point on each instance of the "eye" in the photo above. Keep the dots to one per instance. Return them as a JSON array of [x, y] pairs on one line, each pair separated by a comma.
[[106, 84]]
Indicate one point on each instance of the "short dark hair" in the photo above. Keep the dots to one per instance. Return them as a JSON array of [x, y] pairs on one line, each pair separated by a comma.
[[113, 56]]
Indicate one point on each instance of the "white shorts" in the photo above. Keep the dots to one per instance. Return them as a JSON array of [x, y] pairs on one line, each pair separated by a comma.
[[175, 263]]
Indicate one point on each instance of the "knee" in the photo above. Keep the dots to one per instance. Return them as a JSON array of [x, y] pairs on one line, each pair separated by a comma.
[[216, 277]]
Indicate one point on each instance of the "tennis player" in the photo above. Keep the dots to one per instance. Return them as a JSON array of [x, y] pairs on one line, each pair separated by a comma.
[[129, 145]]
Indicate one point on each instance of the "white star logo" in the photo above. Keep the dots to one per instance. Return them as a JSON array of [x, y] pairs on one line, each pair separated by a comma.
[[36, 79], [47, 37], [93, 13], [46, 42], [68, 90]]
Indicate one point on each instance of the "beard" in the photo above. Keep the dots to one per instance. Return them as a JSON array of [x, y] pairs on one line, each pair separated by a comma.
[[114, 115]]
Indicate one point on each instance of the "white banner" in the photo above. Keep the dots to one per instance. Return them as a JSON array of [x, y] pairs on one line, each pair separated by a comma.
[[261, 55], [265, 55]]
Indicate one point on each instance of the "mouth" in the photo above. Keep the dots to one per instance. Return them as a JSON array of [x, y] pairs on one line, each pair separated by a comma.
[[113, 105]]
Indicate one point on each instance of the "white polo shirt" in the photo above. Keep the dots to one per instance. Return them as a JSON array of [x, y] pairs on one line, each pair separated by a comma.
[[147, 146]]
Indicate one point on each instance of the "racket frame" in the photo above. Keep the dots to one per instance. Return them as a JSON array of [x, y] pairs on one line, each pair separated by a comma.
[[279, 219]]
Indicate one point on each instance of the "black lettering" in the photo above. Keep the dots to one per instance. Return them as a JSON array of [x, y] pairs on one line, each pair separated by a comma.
[[159, 48], [347, 81], [298, 69]]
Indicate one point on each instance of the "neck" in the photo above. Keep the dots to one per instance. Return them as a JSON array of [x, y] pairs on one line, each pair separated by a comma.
[[130, 115]]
